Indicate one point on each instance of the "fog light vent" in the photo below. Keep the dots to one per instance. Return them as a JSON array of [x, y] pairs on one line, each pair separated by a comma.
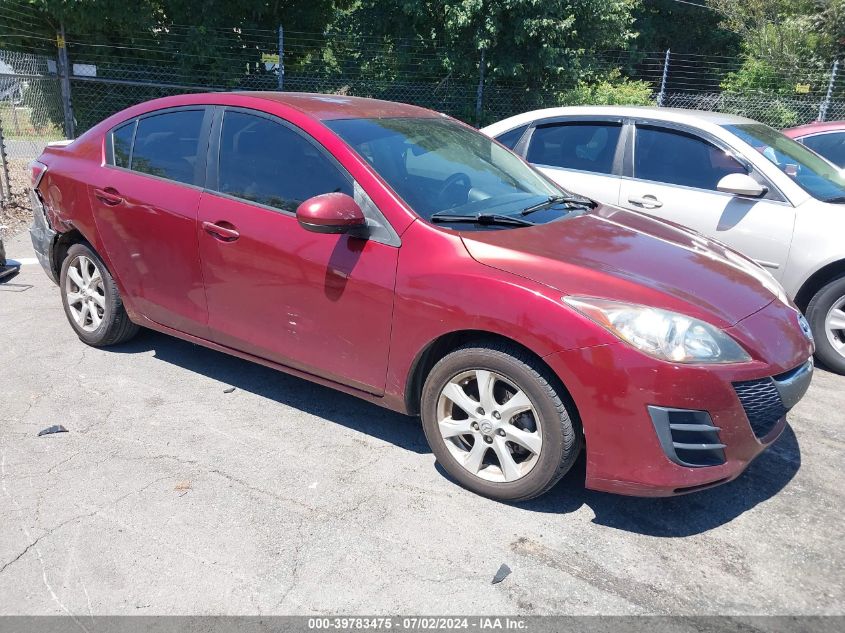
[[688, 437]]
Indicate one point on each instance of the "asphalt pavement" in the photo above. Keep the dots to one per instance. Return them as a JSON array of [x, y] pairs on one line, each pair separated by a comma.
[[167, 495]]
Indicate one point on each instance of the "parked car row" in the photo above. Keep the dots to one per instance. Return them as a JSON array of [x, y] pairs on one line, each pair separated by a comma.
[[401, 256], [727, 177]]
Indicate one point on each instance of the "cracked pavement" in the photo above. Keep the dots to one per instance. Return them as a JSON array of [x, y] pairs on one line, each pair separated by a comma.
[[169, 496]]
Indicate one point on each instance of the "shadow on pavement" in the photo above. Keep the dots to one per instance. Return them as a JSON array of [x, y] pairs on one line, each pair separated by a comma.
[[665, 517]]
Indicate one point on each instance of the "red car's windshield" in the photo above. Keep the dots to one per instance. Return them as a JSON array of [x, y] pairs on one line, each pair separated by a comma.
[[437, 165]]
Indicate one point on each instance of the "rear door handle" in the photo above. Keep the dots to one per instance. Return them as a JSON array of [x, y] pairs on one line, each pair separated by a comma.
[[647, 201], [108, 196], [222, 233]]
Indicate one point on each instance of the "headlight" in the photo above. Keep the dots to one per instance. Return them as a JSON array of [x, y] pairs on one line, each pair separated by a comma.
[[662, 334]]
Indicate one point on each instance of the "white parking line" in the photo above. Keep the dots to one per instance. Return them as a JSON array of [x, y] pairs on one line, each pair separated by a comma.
[[23, 261]]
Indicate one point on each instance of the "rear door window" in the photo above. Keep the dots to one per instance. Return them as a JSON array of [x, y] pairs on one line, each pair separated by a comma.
[[266, 162], [677, 158], [167, 145], [586, 146]]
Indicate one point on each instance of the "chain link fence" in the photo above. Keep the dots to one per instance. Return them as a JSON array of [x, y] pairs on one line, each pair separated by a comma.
[[59, 91]]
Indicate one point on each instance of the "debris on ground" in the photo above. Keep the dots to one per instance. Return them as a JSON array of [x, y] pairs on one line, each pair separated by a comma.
[[58, 428], [228, 390], [183, 487], [504, 572]]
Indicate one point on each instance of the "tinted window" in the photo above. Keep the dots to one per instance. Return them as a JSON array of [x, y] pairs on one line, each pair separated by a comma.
[[263, 161], [121, 142], [830, 145], [680, 159], [584, 146], [167, 145], [436, 164], [510, 139]]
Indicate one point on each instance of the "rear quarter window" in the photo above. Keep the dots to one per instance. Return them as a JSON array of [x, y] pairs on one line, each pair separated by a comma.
[[121, 144]]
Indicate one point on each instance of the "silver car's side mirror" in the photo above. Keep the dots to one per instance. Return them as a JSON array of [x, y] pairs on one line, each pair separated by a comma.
[[741, 185]]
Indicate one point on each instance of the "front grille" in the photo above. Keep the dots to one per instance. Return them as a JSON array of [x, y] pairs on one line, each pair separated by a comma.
[[762, 403]]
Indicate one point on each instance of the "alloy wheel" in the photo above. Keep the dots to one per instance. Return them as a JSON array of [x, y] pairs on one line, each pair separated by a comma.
[[834, 325], [489, 425], [85, 292]]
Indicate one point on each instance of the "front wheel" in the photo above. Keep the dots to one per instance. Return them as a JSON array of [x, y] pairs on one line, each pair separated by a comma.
[[91, 300], [497, 422], [826, 314]]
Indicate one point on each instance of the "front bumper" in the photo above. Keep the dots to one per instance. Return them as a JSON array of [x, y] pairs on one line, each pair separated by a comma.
[[618, 390], [43, 236]]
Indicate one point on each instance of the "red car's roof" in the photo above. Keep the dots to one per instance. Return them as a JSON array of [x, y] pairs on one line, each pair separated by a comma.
[[814, 128], [325, 107]]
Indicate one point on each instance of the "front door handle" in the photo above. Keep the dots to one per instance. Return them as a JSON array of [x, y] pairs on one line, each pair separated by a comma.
[[647, 201], [108, 196], [222, 233]]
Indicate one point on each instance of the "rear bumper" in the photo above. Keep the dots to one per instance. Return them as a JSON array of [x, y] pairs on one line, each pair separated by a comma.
[[625, 400], [43, 236]]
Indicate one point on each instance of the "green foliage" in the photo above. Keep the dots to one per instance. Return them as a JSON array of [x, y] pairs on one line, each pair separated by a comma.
[[684, 28], [541, 44], [614, 90], [779, 113]]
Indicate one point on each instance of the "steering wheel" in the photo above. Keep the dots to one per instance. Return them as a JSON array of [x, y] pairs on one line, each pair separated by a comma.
[[452, 181]]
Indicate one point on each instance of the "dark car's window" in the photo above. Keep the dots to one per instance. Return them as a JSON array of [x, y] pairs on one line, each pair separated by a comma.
[[678, 158], [831, 145], [584, 146], [121, 142], [167, 145], [266, 162], [511, 138]]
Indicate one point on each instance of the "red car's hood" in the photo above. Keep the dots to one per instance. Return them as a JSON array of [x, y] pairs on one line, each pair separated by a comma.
[[626, 256]]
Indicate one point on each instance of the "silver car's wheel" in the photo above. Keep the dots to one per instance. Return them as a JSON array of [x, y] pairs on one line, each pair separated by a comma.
[[834, 325], [489, 425], [85, 292]]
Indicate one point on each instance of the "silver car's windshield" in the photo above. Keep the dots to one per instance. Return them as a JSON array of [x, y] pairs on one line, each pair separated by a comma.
[[438, 165], [811, 172]]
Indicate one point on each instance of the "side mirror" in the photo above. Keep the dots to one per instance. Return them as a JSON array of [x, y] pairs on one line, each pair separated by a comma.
[[330, 213], [741, 185]]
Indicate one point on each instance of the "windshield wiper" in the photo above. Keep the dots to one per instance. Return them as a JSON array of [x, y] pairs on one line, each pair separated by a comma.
[[835, 200], [553, 200], [481, 218]]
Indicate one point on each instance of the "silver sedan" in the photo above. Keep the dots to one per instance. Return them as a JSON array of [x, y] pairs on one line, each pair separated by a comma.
[[728, 177]]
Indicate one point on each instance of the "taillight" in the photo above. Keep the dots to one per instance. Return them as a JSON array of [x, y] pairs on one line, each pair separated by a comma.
[[36, 172]]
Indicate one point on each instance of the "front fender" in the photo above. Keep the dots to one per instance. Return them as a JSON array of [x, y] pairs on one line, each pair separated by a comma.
[[441, 289]]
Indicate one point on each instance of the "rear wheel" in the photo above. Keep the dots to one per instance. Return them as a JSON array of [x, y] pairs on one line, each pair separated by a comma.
[[496, 421], [826, 314], [91, 300]]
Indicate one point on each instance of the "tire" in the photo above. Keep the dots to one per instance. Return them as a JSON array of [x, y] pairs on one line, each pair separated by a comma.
[[109, 324], [518, 380], [819, 310]]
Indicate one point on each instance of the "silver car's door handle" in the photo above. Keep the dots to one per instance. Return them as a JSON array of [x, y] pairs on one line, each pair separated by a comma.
[[647, 201]]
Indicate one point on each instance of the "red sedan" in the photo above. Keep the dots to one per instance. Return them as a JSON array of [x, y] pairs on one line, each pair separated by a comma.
[[396, 254]]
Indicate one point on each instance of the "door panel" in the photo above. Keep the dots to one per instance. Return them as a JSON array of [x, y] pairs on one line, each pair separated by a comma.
[[604, 189], [320, 303], [675, 177], [760, 229], [148, 224]]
